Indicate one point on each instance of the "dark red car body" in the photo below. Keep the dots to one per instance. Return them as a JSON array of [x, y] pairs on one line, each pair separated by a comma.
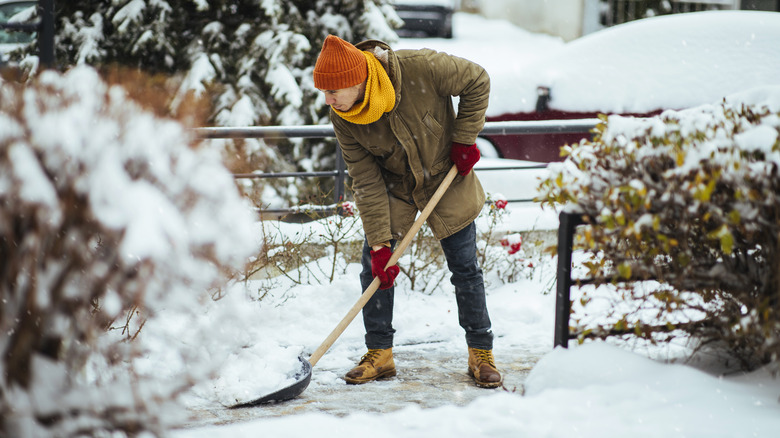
[[542, 148]]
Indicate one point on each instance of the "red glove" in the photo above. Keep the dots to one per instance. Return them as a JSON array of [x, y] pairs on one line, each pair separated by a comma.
[[464, 157], [379, 259]]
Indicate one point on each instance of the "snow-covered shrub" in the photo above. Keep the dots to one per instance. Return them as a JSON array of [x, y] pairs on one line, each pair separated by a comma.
[[289, 250], [105, 208], [500, 254], [690, 199], [423, 264]]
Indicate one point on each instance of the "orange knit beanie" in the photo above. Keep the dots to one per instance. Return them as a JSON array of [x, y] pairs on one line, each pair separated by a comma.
[[340, 65]]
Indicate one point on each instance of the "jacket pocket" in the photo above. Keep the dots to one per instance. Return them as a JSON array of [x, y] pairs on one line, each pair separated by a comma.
[[433, 125]]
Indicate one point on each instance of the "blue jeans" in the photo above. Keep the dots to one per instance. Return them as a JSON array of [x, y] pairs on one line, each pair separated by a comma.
[[460, 250]]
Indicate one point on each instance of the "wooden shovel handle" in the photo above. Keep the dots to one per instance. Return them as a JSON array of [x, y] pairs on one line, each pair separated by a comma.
[[372, 288]]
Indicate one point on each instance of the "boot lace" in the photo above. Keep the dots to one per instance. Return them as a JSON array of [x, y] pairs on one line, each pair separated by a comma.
[[484, 356], [370, 356]]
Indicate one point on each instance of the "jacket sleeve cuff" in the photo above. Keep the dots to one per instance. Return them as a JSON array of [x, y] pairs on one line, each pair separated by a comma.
[[381, 240]]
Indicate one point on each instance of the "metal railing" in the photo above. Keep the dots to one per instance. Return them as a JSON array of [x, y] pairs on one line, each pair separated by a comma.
[[340, 174], [326, 131]]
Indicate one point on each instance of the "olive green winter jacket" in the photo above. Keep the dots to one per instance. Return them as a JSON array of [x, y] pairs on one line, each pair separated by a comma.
[[398, 162]]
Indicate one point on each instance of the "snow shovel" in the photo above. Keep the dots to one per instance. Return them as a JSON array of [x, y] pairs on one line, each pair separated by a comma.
[[303, 377]]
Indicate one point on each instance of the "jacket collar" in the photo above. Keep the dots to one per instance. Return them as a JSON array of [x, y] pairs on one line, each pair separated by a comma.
[[392, 67]]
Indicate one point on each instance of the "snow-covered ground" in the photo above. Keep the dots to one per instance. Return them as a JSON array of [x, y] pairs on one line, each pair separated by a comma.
[[593, 390]]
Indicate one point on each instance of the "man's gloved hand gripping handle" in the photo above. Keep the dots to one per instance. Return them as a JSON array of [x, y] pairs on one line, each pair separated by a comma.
[[379, 259], [464, 156]]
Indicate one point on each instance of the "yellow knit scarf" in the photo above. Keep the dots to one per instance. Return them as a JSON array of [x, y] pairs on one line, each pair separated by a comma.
[[379, 99]]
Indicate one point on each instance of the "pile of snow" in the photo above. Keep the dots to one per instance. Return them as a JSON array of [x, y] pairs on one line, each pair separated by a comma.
[[666, 62], [502, 48]]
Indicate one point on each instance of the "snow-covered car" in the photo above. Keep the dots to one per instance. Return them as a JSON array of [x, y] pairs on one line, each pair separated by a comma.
[[639, 68], [11, 40], [426, 18]]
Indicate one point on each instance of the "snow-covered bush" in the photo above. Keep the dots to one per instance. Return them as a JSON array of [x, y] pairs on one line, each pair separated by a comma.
[[500, 255], [105, 209], [324, 250], [690, 199]]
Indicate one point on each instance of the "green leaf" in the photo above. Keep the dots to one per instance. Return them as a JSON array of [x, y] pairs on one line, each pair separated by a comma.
[[734, 217], [727, 243], [624, 270], [723, 234]]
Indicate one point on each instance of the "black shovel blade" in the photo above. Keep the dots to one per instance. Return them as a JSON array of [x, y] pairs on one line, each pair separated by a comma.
[[302, 379]]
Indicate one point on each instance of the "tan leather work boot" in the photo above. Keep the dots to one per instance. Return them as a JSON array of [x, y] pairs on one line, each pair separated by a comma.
[[376, 364], [482, 368]]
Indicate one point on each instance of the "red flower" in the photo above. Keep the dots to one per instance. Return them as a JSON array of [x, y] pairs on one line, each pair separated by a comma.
[[348, 209], [513, 242], [500, 204]]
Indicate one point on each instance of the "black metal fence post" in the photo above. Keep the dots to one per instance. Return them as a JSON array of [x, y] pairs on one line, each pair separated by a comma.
[[46, 34], [568, 223], [341, 172]]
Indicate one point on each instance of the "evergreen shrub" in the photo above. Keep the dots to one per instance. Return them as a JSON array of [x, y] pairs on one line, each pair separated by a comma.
[[253, 60]]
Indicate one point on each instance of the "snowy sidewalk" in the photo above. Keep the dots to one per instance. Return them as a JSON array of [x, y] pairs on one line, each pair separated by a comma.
[[430, 375], [430, 350]]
